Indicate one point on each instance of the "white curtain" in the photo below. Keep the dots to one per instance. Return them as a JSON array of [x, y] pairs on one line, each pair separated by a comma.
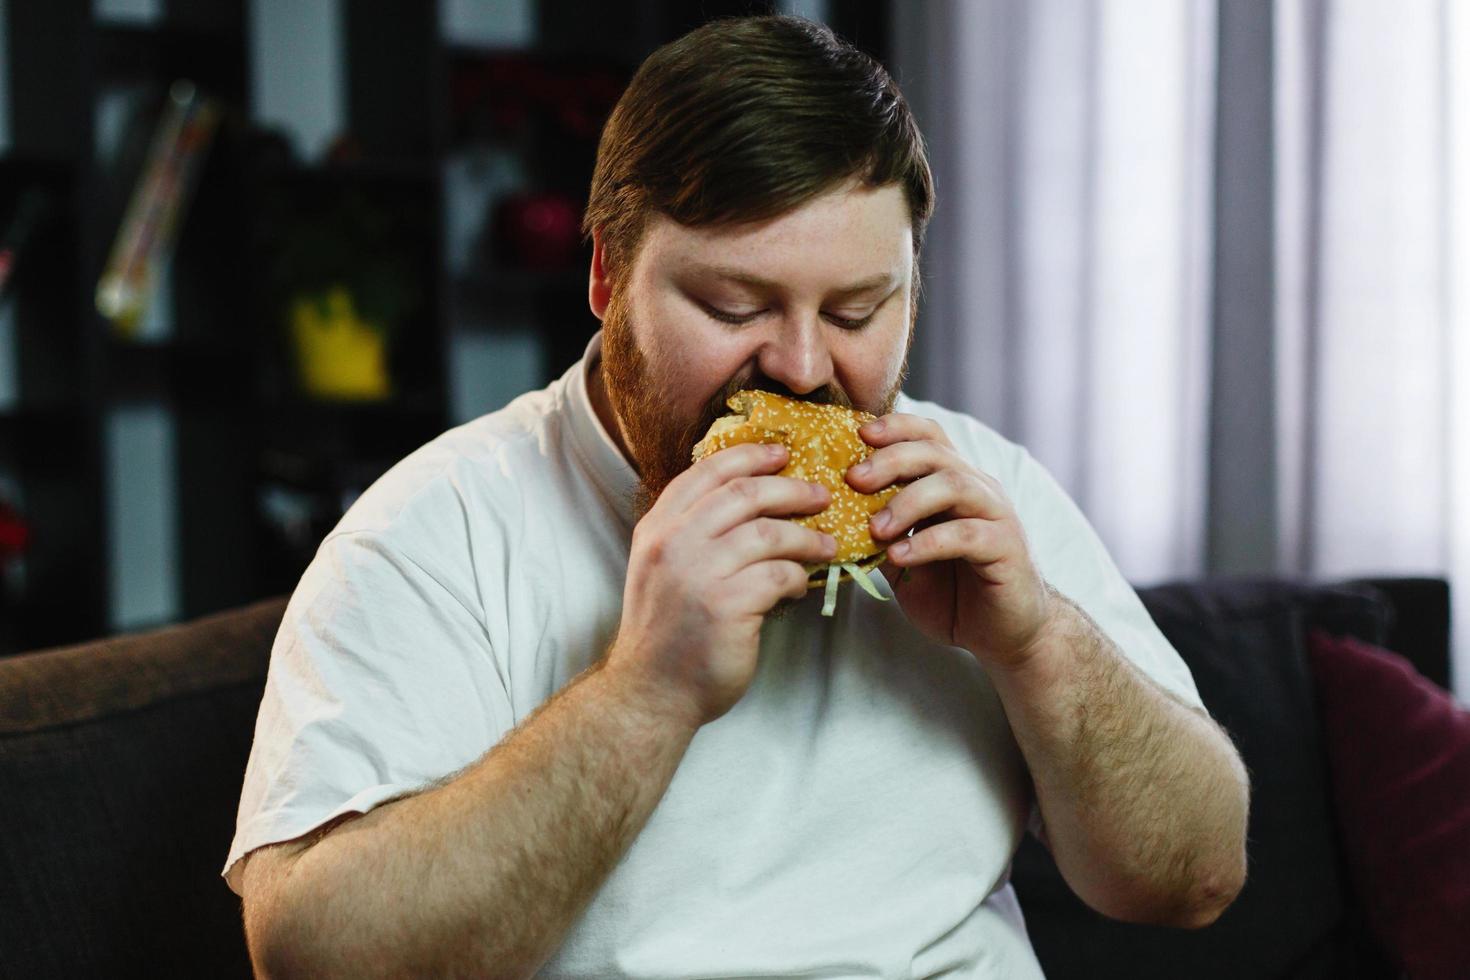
[[1373, 327], [1210, 264], [1067, 268]]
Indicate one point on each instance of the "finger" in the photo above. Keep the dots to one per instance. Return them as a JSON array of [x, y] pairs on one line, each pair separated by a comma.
[[758, 587], [959, 493], [978, 541], [767, 538], [745, 498], [717, 469], [902, 427], [901, 462]]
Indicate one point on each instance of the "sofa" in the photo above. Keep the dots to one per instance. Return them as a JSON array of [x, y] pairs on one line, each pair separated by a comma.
[[121, 764]]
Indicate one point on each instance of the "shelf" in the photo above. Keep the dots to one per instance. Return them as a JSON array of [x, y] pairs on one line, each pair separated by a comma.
[[252, 238], [25, 421], [191, 375], [38, 439], [533, 96], [489, 287], [468, 52], [19, 168], [143, 53], [328, 437], [417, 408], [399, 174]]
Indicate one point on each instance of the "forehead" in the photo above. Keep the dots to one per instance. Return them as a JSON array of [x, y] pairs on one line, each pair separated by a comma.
[[846, 234]]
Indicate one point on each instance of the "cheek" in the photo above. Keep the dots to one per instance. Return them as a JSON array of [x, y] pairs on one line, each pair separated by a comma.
[[690, 368], [692, 361], [877, 362], [884, 362]]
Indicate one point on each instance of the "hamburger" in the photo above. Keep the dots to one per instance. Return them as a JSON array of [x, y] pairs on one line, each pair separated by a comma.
[[823, 442]]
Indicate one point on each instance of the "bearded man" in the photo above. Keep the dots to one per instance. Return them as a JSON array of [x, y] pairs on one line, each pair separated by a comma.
[[528, 712]]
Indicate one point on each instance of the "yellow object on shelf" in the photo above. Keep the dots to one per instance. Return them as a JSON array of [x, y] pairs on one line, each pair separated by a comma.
[[339, 355]]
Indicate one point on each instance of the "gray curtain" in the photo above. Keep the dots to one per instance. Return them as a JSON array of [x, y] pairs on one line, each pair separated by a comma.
[[1208, 262]]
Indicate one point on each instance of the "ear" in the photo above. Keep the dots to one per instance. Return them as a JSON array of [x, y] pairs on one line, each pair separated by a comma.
[[599, 286]]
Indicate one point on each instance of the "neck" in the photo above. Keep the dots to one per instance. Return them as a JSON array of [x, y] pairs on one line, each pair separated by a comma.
[[602, 407]]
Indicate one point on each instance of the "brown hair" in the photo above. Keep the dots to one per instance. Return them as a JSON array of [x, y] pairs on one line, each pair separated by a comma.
[[744, 119]]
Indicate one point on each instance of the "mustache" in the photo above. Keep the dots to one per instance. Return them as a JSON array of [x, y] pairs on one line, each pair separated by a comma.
[[828, 394]]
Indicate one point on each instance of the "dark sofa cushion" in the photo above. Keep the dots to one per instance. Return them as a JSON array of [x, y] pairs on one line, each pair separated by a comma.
[[1419, 630], [1399, 748], [1244, 641], [120, 771]]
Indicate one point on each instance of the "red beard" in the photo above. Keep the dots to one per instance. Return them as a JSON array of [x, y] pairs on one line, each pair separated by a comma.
[[661, 445]]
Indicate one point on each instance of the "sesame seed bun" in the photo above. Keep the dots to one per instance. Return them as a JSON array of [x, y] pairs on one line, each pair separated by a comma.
[[823, 442]]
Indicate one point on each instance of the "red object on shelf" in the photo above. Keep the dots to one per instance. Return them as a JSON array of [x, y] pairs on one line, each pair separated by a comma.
[[15, 533], [500, 95], [538, 230]]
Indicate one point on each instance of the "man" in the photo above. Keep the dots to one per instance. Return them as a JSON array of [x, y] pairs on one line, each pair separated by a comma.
[[528, 712]]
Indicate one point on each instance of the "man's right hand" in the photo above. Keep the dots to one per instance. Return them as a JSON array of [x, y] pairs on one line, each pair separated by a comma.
[[709, 560]]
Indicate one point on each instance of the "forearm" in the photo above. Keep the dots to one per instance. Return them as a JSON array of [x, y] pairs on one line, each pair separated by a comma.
[[484, 875], [1144, 799]]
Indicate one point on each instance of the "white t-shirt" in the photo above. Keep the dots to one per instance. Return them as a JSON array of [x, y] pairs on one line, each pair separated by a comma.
[[855, 813]]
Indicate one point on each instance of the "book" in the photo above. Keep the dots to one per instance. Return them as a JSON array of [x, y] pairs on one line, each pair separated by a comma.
[[146, 236]]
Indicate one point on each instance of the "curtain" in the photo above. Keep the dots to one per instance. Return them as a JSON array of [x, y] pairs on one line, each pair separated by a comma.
[[1371, 317], [1066, 292], [1208, 262]]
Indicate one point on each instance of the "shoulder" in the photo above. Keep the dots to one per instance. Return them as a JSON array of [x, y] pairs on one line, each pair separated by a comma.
[[481, 462], [464, 488]]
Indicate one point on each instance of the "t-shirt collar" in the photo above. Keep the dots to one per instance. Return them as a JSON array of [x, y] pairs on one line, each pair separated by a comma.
[[606, 462]]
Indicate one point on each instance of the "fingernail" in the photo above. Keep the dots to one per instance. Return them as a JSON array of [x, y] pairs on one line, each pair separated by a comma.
[[874, 427], [862, 469], [775, 449], [881, 519], [898, 549], [830, 543]]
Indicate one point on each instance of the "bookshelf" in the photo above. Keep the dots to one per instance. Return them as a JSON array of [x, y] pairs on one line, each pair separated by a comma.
[[181, 469]]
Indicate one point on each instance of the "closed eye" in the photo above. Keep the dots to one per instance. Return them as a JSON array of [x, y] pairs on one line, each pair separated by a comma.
[[724, 317], [847, 324], [743, 318]]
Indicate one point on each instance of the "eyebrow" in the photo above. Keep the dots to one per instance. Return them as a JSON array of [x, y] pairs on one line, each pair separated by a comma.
[[882, 279]]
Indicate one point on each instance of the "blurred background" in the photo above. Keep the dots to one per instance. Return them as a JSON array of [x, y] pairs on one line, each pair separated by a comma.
[[1206, 259]]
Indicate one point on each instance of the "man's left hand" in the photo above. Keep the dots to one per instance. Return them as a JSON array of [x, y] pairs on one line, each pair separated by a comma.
[[970, 579]]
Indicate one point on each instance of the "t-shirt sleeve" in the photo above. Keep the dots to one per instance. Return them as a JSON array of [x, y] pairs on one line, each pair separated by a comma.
[[382, 681], [1072, 557]]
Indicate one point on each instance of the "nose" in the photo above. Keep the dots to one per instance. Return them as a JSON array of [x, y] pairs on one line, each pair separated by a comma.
[[797, 356]]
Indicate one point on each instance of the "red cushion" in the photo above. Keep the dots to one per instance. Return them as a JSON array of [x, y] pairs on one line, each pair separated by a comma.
[[1399, 751]]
